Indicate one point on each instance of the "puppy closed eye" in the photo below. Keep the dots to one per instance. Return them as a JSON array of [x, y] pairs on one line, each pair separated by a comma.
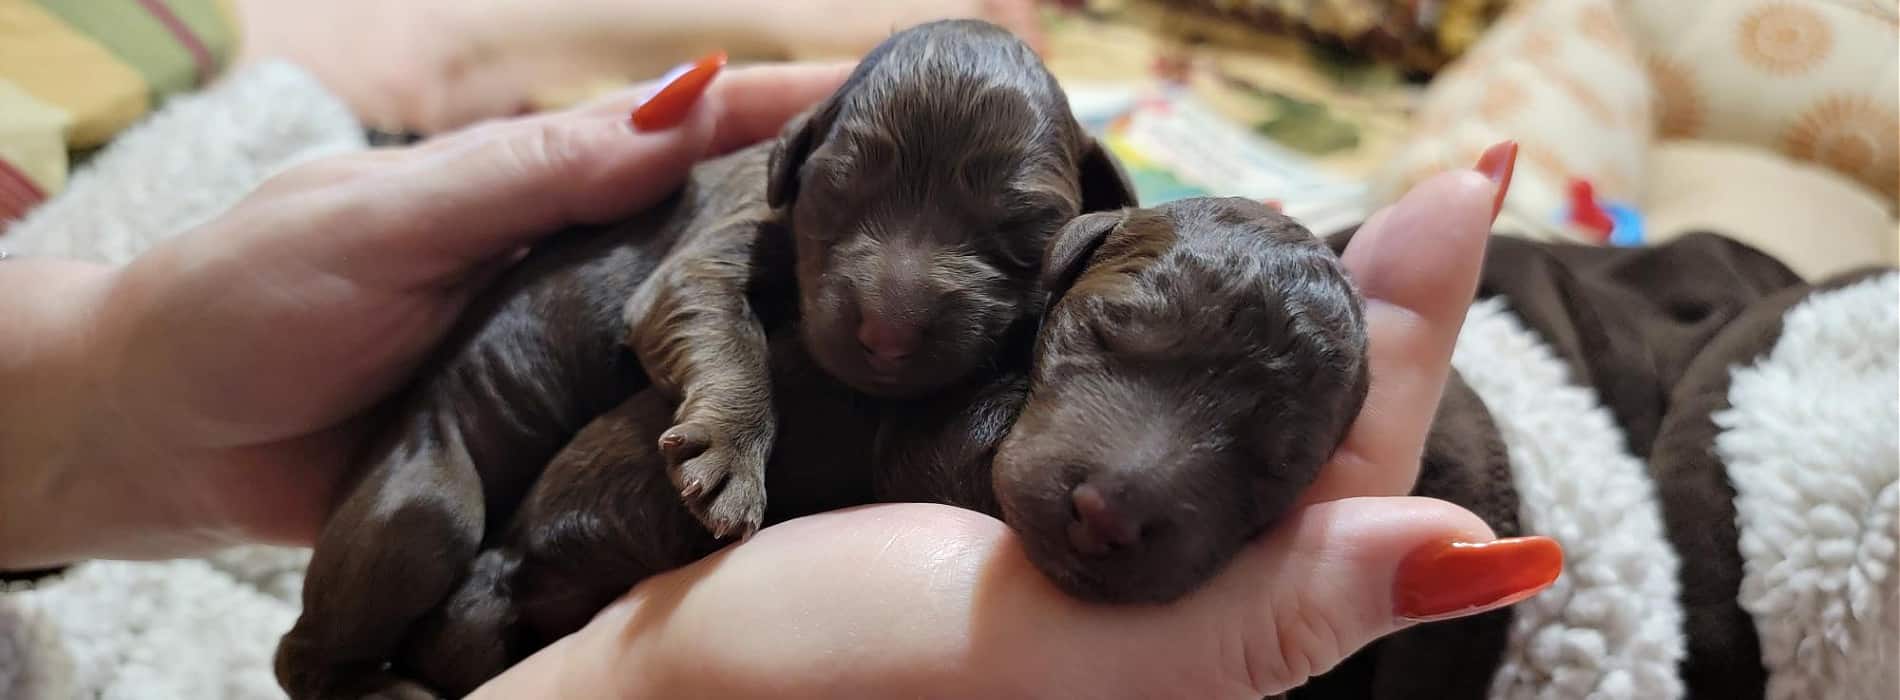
[[1015, 258]]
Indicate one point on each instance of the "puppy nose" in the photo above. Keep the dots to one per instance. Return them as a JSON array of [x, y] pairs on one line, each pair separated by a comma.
[[886, 342], [1101, 525]]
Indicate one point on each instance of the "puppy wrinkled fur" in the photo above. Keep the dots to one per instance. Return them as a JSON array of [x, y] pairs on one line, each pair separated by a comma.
[[913, 203]]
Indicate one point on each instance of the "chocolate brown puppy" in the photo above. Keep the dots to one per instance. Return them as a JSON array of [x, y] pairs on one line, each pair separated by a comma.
[[604, 516], [903, 215], [1198, 363], [918, 200]]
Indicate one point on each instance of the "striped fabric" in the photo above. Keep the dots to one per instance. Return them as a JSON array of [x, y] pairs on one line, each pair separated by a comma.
[[73, 73]]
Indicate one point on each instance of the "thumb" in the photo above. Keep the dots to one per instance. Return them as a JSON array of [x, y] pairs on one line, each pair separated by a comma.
[[479, 194], [456, 202], [1343, 574]]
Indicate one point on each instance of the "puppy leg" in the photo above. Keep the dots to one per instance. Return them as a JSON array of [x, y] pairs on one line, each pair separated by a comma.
[[603, 517], [400, 540], [471, 637], [696, 334]]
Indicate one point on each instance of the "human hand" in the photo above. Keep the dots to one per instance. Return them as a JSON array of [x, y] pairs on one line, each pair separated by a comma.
[[434, 65], [920, 600], [231, 368]]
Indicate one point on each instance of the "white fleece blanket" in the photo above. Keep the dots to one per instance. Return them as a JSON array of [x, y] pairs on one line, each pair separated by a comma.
[[1817, 514]]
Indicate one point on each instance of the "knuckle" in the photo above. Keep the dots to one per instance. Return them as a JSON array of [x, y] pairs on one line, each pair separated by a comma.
[[1305, 643], [535, 146]]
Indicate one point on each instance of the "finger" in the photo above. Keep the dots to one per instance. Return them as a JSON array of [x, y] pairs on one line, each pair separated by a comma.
[[756, 100], [1343, 574], [470, 196], [467, 201], [1417, 262]]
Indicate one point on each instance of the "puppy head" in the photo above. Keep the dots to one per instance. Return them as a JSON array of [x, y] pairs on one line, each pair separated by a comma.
[[1199, 362], [921, 196]]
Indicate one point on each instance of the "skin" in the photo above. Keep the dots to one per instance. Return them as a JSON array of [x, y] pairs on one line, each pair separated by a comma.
[[115, 442]]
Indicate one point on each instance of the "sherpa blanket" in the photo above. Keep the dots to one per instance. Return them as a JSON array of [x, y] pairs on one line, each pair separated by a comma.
[[1723, 479]]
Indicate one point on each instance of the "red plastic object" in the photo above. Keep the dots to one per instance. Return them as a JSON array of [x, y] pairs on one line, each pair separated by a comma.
[[1586, 213]]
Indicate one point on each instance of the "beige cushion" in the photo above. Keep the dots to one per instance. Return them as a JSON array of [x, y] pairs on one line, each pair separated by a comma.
[[1814, 220], [1813, 79]]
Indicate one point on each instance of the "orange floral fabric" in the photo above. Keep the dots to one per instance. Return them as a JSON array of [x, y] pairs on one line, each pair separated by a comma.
[[1816, 80]]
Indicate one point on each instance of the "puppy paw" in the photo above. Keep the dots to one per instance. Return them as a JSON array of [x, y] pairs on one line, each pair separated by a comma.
[[720, 475]]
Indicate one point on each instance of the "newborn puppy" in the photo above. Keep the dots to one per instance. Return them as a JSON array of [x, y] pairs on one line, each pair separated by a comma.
[[919, 200], [604, 516], [904, 215], [1198, 363]]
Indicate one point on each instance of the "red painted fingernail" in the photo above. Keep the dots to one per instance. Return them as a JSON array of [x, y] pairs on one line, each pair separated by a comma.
[[1454, 579], [679, 90], [1497, 163]]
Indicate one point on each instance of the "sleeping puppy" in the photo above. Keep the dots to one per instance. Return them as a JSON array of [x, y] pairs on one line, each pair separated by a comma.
[[1199, 361], [904, 215], [919, 199], [1197, 364]]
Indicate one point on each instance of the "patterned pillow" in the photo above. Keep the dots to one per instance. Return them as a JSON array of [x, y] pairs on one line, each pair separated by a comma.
[[1560, 77], [1813, 79]]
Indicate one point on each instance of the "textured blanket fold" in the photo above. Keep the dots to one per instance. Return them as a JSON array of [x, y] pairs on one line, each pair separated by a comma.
[[1657, 335], [1712, 440]]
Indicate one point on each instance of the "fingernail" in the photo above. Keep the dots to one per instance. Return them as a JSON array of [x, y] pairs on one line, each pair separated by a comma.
[[1497, 163], [1454, 579], [679, 89]]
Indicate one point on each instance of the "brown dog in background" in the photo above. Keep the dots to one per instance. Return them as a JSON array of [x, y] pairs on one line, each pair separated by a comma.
[[920, 198]]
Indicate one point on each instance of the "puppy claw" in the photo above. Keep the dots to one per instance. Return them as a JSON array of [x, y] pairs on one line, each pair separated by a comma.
[[683, 442], [738, 511], [723, 486]]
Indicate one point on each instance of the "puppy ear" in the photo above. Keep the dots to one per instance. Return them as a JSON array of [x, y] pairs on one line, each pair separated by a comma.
[[1105, 186], [1072, 247], [803, 134], [795, 144]]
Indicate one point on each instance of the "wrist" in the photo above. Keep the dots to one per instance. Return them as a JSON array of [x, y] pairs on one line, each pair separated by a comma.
[[49, 362]]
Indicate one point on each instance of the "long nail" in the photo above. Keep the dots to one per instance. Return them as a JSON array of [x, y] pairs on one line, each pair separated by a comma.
[[1497, 163], [1454, 579], [680, 89]]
